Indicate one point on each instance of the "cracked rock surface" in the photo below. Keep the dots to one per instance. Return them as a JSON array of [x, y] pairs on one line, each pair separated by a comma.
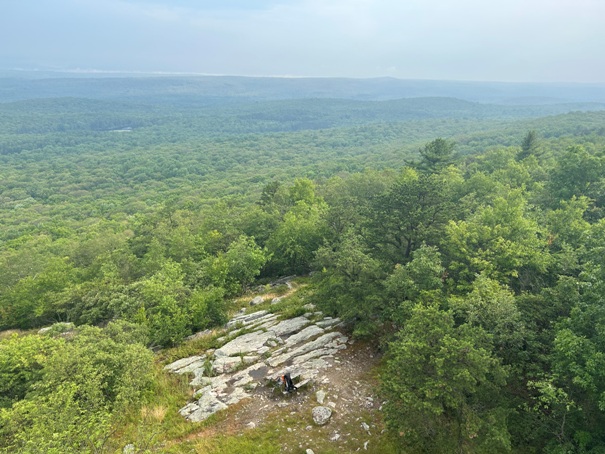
[[257, 349]]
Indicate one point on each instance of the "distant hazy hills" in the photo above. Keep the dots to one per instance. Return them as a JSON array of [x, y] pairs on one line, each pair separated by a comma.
[[19, 85]]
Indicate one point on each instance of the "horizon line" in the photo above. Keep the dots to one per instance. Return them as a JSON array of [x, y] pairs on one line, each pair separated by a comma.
[[93, 71]]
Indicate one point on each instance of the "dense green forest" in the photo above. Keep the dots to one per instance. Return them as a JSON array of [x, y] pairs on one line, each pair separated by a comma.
[[466, 240]]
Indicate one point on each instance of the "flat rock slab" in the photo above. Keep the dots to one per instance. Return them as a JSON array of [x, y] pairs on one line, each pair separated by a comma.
[[304, 335], [290, 326], [245, 343], [317, 344], [264, 323], [226, 364], [318, 353], [245, 318], [328, 322], [178, 366]]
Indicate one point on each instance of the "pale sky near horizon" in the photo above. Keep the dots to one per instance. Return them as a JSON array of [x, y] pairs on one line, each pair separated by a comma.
[[512, 40]]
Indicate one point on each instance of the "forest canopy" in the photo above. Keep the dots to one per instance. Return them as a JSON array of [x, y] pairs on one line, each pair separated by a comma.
[[465, 240]]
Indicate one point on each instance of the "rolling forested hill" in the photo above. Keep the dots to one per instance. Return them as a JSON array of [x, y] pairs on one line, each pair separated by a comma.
[[462, 238], [18, 85]]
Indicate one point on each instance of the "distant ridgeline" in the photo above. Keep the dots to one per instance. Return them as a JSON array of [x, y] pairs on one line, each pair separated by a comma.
[[20, 85]]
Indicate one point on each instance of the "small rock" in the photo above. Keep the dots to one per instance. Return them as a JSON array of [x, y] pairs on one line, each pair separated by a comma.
[[320, 396], [289, 429], [199, 335], [275, 300], [321, 415], [331, 404], [335, 437], [256, 301], [309, 451], [364, 426], [128, 449], [308, 427], [327, 322], [60, 327], [251, 425], [365, 445]]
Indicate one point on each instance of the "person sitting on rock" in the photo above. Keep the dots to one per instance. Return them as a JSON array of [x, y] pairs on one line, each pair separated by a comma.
[[287, 381]]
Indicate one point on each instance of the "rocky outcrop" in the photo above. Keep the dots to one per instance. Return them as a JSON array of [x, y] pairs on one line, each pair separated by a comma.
[[301, 346]]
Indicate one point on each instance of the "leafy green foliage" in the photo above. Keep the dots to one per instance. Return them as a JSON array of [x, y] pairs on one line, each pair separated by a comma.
[[296, 239], [501, 241], [350, 283], [72, 393], [414, 210], [21, 365], [437, 379]]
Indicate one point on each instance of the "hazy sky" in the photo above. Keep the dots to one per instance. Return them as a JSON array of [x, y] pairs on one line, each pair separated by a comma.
[[504, 40]]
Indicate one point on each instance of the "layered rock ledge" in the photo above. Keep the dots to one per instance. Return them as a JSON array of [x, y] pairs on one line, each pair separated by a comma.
[[257, 348]]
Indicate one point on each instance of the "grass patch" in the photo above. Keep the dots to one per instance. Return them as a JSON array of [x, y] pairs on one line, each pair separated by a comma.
[[296, 433], [149, 426], [252, 442], [293, 305], [189, 348]]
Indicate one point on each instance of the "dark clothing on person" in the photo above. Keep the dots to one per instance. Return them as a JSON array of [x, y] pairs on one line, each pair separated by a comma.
[[288, 384]]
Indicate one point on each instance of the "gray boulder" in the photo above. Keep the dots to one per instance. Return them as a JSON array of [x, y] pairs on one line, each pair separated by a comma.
[[203, 408], [256, 301], [321, 415]]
